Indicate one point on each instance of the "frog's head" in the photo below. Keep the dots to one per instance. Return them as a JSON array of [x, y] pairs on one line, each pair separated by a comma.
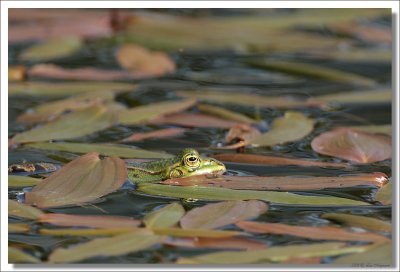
[[192, 164]]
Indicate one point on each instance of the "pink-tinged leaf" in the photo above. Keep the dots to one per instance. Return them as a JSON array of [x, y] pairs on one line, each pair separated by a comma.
[[179, 232], [93, 221], [281, 183], [242, 132], [22, 210], [194, 120], [318, 233], [359, 221], [87, 73], [365, 32], [162, 133], [82, 180], [220, 214], [353, 145], [144, 63], [272, 160], [223, 243]]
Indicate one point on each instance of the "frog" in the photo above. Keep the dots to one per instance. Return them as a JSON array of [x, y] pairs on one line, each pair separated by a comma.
[[187, 163]]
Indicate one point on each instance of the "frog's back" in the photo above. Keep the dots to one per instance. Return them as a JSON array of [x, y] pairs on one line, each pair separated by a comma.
[[150, 171]]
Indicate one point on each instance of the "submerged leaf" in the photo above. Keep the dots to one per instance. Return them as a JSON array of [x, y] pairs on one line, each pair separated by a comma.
[[103, 149], [161, 133], [165, 217], [194, 120], [73, 125], [384, 194], [293, 126], [22, 181], [359, 221], [17, 256], [82, 180], [220, 214], [22, 210], [225, 113], [353, 145], [52, 49], [208, 193], [114, 246], [381, 255]]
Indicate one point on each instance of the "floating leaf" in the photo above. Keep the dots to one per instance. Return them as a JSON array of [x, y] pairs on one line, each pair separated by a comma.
[[93, 221], [88, 232], [207, 193], [18, 227], [273, 160], [312, 71], [279, 183], [374, 96], [178, 232], [365, 32], [353, 145], [194, 120], [225, 114], [23, 210], [241, 132], [319, 233], [359, 221], [384, 194], [16, 256], [52, 49], [381, 255], [225, 243], [22, 181], [355, 54], [146, 113], [144, 63], [293, 126], [82, 180], [66, 88], [103, 149], [385, 129], [161, 133], [114, 246], [85, 73], [16, 73], [220, 214], [274, 254], [165, 217], [73, 125]]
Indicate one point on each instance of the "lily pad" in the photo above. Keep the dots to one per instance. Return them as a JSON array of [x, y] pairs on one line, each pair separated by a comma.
[[165, 217], [70, 126], [82, 180], [359, 221], [22, 210], [220, 214], [103, 149], [353, 145], [212, 193]]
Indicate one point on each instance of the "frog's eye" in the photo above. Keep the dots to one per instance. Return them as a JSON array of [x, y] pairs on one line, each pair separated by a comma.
[[192, 161], [176, 173]]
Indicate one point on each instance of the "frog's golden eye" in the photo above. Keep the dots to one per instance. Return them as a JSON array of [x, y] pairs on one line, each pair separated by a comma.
[[192, 161], [176, 173]]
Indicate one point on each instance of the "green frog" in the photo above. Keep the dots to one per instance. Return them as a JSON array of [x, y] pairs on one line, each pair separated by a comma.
[[187, 163]]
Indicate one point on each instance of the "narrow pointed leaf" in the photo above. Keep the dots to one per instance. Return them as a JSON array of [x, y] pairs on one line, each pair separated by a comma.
[[162, 133], [356, 97], [225, 243], [206, 193], [18, 227], [381, 255], [165, 217], [385, 129], [22, 210], [384, 194], [17, 256], [22, 181], [225, 113], [194, 120], [223, 213], [178, 232], [85, 179], [88, 232], [359, 221]]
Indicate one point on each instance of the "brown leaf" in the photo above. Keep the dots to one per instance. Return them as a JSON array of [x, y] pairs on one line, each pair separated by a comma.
[[161, 133], [144, 63], [194, 120], [365, 32], [224, 243], [16, 73], [82, 180], [93, 221], [241, 132], [318, 233], [285, 183], [359, 221], [272, 160], [309, 260], [223, 213], [353, 145]]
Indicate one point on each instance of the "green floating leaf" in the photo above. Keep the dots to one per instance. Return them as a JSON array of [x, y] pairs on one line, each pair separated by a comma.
[[359, 221], [87, 232], [146, 113], [114, 246], [178, 232], [16, 256], [18, 227], [212, 193], [165, 217], [22, 210], [384, 194], [73, 125], [312, 71], [22, 181], [375, 96], [82, 180], [36, 88], [381, 255], [293, 126], [188, 119], [225, 114], [220, 214], [224, 242], [123, 151], [52, 49], [385, 129], [274, 254]]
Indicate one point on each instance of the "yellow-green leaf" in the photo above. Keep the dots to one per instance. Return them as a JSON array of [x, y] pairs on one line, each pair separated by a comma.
[[22, 210], [22, 181], [18, 227], [359, 221], [16, 256], [225, 113], [73, 125], [52, 49], [124, 151], [211, 193], [178, 232], [381, 255], [374, 96], [384, 194], [293, 126], [87, 232], [385, 129], [165, 217]]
